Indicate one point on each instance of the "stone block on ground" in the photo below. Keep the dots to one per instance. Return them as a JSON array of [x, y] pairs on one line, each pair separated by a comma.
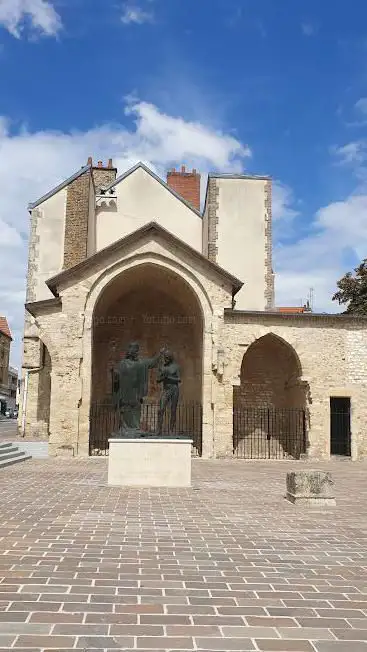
[[310, 487], [150, 462]]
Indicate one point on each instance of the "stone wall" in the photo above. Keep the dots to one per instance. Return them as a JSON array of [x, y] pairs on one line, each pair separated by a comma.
[[76, 220], [269, 274], [212, 219], [38, 398], [103, 176], [332, 352], [310, 358]]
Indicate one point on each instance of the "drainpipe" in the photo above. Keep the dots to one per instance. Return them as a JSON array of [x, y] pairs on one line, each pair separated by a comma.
[[25, 396]]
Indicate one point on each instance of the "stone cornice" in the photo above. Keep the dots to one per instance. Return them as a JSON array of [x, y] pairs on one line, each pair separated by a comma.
[[37, 307], [307, 319]]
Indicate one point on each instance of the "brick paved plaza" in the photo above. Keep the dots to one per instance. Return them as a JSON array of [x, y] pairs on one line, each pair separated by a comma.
[[226, 565]]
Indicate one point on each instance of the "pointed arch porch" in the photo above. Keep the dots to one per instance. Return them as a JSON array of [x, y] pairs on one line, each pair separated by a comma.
[[116, 274]]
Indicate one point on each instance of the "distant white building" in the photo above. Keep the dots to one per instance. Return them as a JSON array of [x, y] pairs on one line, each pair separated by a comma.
[[12, 388]]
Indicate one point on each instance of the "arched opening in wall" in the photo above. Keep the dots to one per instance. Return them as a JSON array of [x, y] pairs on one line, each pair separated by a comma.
[[44, 393], [269, 406], [153, 306]]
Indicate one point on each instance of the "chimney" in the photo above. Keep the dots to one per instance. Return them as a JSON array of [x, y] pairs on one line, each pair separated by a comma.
[[186, 184], [103, 175]]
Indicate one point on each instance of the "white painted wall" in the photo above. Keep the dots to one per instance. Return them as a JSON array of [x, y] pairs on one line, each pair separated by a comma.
[[142, 199], [241, 237], [51, 232]]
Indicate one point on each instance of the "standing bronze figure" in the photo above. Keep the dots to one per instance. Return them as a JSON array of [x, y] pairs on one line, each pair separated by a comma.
[[169, 376], [130, 386]]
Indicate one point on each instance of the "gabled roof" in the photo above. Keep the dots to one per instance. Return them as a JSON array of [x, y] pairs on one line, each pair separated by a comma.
[[153, 229], [4, 327], [156, 178], [59, 187]]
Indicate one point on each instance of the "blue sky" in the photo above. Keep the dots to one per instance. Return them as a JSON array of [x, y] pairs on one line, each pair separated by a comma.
[[275, 87]]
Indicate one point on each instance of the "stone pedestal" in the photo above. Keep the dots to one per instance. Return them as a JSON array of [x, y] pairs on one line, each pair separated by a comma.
[[148, 462], [311, 488]]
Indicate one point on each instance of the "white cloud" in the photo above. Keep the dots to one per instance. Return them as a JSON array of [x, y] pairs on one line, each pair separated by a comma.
[[353, 153], [308, 29], [133, 13], [283, 202], [361, 105], [32, 163], [41, 14], [336, 236]]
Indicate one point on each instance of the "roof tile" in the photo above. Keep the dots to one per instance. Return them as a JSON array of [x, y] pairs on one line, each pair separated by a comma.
[[4, 328]]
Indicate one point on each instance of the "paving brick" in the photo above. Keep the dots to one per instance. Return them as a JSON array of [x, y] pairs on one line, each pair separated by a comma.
[[306, 633], [168, 643], [349, 634], [45, 617], [340, 646], [285, 646], [80, 630], [265, 621], [56, 642], [223, 567], [103, 642], [25, 628], [242, 644]]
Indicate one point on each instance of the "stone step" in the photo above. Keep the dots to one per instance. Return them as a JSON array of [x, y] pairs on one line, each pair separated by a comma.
[[21, 457], [5, 446], [8, 453]]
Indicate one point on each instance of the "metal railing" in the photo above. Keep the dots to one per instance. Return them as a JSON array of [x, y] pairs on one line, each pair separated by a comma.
[[104, 420], [269, 433]]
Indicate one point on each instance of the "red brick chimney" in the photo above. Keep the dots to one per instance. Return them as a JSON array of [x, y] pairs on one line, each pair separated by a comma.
[[186, 184]]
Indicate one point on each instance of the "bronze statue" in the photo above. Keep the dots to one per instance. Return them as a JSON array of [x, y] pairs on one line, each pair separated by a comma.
[[130, 386], [169, 376]]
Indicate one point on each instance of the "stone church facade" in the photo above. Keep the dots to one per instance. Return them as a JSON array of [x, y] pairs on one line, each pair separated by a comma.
[[115, 259]]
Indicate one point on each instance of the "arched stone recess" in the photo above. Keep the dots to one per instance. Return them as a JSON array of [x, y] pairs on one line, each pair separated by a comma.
[[271, 400], [238, 352], [120, 289], [36, 396]]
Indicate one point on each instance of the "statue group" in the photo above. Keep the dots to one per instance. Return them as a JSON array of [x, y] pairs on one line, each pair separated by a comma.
[[130, 387]]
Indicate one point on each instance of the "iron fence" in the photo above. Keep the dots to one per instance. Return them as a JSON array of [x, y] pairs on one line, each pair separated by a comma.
[[104, 420], [269, 433]]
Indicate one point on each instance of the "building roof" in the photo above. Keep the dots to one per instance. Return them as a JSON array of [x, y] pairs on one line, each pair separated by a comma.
[[293, 309], [153, 229], [231, 175], [56, 189], [158, 179], [4, 327]]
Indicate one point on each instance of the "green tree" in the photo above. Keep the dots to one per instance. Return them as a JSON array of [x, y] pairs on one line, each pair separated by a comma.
[[352, 290]]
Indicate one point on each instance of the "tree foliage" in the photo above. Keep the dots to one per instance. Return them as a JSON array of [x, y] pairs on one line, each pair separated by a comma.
[[352, 290]]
